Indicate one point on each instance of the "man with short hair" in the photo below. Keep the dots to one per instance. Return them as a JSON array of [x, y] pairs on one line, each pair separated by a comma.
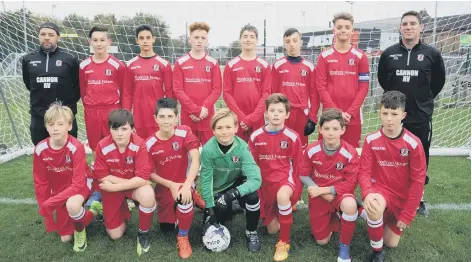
[[50, 74]]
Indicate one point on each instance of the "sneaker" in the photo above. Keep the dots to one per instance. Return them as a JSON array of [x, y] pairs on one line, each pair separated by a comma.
[[80, 241], [198, 200], [344, 253], [96, 208], [282, 250], [253, 241], [143, 243], [423, 209], [183, 245], [378, 256]]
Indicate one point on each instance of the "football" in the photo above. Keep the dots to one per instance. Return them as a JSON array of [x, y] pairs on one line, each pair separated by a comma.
[[216, 238]]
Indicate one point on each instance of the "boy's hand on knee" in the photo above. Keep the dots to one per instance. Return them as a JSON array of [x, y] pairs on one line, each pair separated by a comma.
[[402, 226], [371, 205]]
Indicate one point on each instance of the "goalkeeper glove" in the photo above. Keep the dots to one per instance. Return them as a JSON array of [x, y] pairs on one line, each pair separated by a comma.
[[227, 198]]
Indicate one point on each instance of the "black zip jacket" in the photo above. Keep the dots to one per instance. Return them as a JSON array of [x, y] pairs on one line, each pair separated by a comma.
[[51, 77], [418, 73]]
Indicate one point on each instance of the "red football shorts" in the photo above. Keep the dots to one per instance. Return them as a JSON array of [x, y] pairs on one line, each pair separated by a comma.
[[392, 210], [268, 198], [166, 207], [115, 208], [324, 216], [96, 123]]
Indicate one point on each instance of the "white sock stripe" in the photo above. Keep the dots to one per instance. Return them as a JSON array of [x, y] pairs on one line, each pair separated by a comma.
[[254, 207], [284, 208], [147, 209], [375, 224], [184, 209], [349, 217], [377, 244], [187, 206], [285, 212], [80, 215]]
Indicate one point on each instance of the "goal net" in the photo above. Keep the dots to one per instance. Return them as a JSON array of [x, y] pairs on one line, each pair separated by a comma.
[[450, 34]]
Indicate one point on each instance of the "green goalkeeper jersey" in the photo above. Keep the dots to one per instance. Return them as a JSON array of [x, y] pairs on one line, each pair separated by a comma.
[[220, 171]]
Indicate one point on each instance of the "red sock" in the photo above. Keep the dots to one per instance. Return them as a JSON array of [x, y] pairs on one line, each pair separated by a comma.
[[286, 220], [375, 230], [82, 219], [145, 218], [348, 227], [185, 216]]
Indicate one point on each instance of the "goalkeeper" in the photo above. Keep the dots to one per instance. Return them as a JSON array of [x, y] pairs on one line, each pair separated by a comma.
[[228, 172], [417, 70]]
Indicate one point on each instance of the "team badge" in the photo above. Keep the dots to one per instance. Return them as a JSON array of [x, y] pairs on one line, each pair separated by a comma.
[[175, 146], [207, 68], [351, 62], [155, 68], [129, 160], [404, 152], [420, 57], [258, 69], [235, 159], [304, 73], [68, 159], [108, 72], [283, 144], [58, 62], [339, 166]]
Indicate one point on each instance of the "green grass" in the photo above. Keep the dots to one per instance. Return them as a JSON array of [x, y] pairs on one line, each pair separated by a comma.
[[443, 236]]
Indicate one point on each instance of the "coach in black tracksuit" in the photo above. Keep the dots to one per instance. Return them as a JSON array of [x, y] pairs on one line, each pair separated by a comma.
[[51, 75], [417, 70]]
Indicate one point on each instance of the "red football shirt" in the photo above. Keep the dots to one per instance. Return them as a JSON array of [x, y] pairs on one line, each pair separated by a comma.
[[170, 158], [59, 174], [342, 80], [132, 162], [146, 81], [339, 170], [197, 84], [246, 85], [101, 84], [297, 82], [396, 166], [277, 155]]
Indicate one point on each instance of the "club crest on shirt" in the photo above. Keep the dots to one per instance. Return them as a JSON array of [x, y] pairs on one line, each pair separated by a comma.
[[175, 146], [58, 62], [304, 72], [404, 152], [420, 57], [129, 160], [68, 159], [339, 166], [258, 69], [207, 68], [235, 159], [155, 67], [283, 144], [108, 72], [352, 62]]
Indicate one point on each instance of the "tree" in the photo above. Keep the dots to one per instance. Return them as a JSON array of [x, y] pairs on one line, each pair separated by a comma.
[[234, 49]]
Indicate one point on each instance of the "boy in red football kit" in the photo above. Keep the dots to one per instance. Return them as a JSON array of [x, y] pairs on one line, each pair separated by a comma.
[[148, 78], [294, 76], [392, 175], [197, 83], [277, 151], [123, 169], [101, 84], [247, 83], [169, 151], [342, 78], [59, 173], [329, 168]]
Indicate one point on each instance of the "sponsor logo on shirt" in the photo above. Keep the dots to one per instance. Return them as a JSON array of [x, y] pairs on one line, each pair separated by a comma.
[[135, 67], [258, 69], [187, 67], [175, 146], [108, 72], [34, 63], [68, 160], [146, 78], [247, 79], [339, 166], [283, 144], [288, 83], [59, 169], [47, 159], [326, 176], [332, 61], [123, 172], [88, 72], [169, 158], [392, 164], [99, 82], [129, 160], [317, 163], [155, 68], [283, 71], [113, 160], [396, 56], [260, 144], [58, 63], [271, 157], [378, 148], [237, 69], [341, 73], [407, 74], [197, 80], [158, 152], [404, 152]]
